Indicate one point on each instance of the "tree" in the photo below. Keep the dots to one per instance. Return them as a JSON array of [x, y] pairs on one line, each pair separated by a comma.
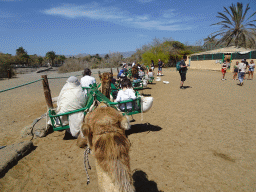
[[236, 28], [20, 51], [40, 60], [209, 43], [106, 56], [62, 58], [51, 55]]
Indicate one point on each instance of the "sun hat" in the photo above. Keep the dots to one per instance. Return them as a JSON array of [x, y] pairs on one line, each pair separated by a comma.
[[73, 79]]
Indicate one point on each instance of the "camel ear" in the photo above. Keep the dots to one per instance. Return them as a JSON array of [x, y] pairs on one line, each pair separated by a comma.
[[125, 123], [85, 128], [102, 105]]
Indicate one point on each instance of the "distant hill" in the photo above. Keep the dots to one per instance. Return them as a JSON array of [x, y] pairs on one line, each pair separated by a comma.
[[125, 54]]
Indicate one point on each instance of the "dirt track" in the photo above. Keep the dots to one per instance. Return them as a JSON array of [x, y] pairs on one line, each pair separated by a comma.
[[198, 139]]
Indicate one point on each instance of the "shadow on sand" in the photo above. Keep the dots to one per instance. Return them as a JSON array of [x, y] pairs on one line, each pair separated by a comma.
[[142, 184], [139, 128], [185, 87], [146, 95]]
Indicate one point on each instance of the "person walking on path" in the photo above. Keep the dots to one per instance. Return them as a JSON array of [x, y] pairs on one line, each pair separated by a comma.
[[251, 69], [224, 70], [235, 70], [160, 66], [183, 71], [241, 69], [247, 66], [152, 65]]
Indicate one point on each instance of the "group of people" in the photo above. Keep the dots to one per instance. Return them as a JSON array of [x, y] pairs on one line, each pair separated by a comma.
[[72, 97], [160, 67], [240, 69]]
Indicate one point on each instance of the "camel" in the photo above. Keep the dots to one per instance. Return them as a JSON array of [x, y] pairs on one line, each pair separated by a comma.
[[106, 79], [105, 129], [104, 132]]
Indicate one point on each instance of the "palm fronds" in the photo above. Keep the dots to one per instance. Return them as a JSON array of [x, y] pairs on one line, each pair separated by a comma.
[[235, 28]]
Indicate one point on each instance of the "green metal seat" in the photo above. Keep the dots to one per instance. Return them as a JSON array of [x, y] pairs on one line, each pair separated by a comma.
[[56, 119], [137, 85], [151, 79], [94, 94]]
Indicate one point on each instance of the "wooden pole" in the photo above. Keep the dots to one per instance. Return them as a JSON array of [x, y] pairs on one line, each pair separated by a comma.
[[47, 92]]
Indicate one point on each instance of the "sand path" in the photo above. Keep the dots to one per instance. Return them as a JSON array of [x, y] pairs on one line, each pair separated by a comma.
[[198, 139]]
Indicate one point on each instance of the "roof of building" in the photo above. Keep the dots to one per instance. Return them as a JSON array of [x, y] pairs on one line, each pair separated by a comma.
[[231, 49]]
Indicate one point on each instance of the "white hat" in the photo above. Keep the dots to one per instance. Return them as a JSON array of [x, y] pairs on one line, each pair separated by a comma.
[[73, 79]]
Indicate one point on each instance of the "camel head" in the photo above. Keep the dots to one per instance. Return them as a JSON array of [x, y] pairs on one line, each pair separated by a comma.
[[104, 119]]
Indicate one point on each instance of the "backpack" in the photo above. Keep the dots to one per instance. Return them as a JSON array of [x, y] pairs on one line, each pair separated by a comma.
[[178, 66]]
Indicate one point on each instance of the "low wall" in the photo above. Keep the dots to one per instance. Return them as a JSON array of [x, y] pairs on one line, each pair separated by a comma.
[[205, 64], [211, 65]]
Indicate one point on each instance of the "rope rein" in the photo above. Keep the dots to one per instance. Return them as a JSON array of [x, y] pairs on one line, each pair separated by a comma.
[[86, 152]]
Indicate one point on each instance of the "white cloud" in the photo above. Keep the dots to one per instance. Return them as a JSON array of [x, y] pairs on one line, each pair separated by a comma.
[[90, 10], [167, 21]]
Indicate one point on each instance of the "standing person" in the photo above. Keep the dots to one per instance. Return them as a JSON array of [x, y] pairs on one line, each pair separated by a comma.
[[247, 66], [235, 70], [251, 69], [228, 63], [152, 65], [183, 70], [160, 66], [223, 70], [87, 79], [241, 70]]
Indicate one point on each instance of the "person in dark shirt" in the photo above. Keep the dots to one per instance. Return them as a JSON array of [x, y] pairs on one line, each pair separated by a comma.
[[183, 71], [160, 65], [152, 65], [123, 72], [247, 64]]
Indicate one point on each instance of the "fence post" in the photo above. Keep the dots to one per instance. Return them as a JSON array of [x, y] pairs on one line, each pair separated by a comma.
[[250, 55], [47, 92]]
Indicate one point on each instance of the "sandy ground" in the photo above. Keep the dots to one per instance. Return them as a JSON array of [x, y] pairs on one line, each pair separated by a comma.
[[198, 139]]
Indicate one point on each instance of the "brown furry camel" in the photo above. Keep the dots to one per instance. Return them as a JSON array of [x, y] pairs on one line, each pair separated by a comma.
[[105, 129], [106, 79]]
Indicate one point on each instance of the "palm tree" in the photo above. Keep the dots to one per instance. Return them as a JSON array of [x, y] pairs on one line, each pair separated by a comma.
[[209, 43], [236, 28], [51, 55], [62, 58]]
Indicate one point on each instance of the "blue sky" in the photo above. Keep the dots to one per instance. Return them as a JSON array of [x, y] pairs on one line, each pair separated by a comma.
[[70, 27]]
